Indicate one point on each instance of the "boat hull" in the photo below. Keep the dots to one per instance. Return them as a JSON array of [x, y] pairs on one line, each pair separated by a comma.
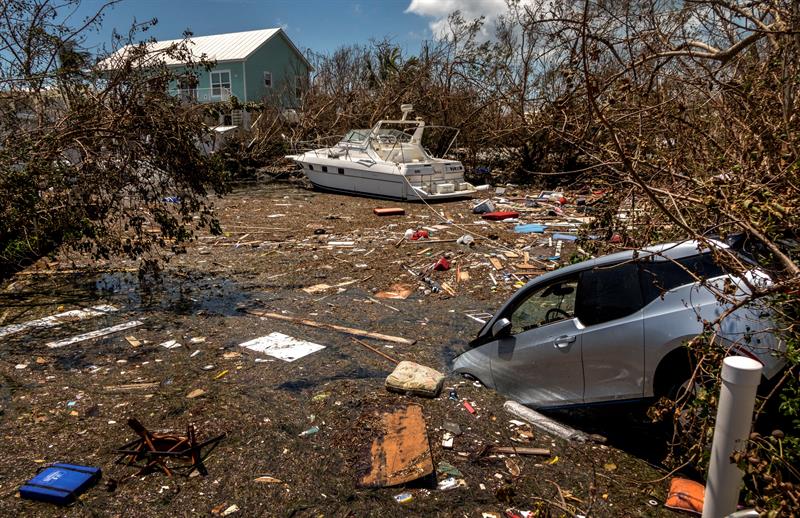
[[372, 182]]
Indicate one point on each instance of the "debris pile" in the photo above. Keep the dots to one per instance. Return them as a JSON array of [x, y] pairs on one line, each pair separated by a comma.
[[316, 334]]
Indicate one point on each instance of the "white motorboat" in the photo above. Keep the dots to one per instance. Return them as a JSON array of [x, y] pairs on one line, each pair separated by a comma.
[[387, 161]]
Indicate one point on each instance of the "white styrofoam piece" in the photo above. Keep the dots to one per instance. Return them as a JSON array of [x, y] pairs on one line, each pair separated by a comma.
[[281, 346]]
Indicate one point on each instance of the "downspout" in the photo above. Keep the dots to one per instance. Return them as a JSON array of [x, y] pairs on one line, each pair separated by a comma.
[[244, 78]]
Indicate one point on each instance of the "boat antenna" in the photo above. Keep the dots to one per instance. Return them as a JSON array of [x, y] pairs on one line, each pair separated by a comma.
[[406, 109]]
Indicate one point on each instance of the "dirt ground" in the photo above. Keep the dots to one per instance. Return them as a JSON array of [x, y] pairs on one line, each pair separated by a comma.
[[71, 403]]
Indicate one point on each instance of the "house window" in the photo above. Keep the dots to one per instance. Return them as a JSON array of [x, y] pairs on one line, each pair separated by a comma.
[[324, 169], [267, 79], [310, 167], [221, 83], [341, 170]]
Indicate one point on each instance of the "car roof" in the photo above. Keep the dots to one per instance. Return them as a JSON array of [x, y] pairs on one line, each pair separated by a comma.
[[660, 252]]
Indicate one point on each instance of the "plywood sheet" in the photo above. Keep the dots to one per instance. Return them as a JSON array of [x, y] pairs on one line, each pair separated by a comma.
[[401, 453]]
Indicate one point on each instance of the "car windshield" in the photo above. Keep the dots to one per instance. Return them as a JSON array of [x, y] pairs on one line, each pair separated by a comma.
[[549, 304]]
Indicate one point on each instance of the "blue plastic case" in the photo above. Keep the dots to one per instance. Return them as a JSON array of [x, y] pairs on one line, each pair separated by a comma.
[[60, 484]]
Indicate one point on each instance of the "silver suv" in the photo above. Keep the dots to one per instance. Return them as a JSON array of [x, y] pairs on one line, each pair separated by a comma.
[[615, 328]]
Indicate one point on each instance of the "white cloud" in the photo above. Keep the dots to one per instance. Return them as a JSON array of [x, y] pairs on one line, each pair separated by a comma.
[[439, 10]]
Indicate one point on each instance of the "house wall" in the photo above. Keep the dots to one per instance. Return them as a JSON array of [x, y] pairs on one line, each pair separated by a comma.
[[236, 69], [278, 57]]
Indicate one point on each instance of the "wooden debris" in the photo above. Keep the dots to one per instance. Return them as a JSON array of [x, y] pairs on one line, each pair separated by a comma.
[[401, 452], [95, 334], [195, 393], [318, 288], [359, 342], [389, 211], [513, 468], [496, 263], [396, 292], [267, 480], [508, 450], [332, 327], [57, 320], [28, 273], [448, 289], [526, 263], [131, 386]]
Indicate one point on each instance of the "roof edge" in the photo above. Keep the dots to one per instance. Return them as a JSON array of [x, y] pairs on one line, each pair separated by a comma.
[[288, 40]]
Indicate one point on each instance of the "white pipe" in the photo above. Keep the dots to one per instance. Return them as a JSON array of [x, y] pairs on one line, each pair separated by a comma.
[[740, 378], [543, 422]]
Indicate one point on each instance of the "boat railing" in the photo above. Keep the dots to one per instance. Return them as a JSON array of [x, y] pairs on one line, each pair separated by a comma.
[[452, 140], [308, 146]]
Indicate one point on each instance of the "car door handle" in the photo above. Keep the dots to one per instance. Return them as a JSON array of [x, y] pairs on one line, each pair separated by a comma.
[[562, 342]]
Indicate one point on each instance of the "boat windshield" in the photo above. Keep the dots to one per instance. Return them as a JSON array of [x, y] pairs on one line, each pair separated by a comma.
[[392, 135], [358, 136]]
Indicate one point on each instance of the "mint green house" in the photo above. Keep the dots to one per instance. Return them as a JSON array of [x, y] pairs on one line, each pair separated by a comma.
[[253, 66]]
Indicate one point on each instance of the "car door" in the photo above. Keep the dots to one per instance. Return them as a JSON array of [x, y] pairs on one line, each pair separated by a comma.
[[676, 305], [539, 364], [609, 305]]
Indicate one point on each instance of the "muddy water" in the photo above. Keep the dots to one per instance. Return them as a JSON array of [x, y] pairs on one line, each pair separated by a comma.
[[65, 404]]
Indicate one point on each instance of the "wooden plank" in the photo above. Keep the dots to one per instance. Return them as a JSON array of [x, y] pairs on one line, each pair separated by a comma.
[[132, 386], [58, 319], [389, 211], [496, 263], [333, 327], [380, 353], [520, 451], [95, 334], [401, 452]]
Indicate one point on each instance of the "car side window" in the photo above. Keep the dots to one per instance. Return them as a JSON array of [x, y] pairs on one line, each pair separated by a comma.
[[547, 305], [608, 293], [661, 276]]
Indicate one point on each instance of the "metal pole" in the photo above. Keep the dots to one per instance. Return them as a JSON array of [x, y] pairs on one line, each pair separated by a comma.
[[740, 378]]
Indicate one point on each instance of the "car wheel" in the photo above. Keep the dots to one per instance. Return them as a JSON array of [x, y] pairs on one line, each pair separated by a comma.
[[689, 403]]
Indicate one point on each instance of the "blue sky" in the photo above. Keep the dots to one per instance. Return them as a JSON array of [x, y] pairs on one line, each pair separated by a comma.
[[321, 25]]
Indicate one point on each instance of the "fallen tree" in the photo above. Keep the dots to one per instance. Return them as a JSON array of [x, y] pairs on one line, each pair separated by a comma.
[[94, 153]]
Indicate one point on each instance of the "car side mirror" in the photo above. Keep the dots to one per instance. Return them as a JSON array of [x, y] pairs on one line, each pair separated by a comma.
[[501, 328]]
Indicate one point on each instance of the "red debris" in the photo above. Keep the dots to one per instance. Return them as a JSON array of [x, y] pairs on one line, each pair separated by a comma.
[[469, 407], [442, 265], [615, 239], [419, 234], [501, 215], [389, 211]]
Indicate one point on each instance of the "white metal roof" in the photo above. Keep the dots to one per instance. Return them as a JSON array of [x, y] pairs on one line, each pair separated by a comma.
[[234, 46]]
